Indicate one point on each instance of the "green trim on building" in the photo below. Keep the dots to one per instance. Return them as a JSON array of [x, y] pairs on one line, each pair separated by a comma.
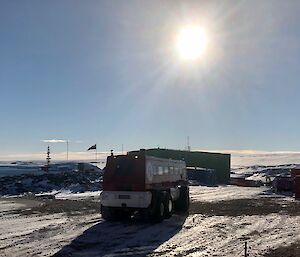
[[217, 161]]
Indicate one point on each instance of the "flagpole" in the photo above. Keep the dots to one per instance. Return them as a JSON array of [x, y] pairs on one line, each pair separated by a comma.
[[67, 150]]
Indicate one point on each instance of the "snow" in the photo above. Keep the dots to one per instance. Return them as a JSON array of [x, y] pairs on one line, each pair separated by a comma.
[[220, 193], [21, 168], [225, 236], [77, 196], [39, 235], [86, 234], [9, 206]]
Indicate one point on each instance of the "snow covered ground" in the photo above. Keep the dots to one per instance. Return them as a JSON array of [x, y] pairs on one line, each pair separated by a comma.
[[36, 234], [64, 219], [225, 236], [211, 194], [221, 219]]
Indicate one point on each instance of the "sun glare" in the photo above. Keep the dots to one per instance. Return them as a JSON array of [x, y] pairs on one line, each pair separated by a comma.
[[191, 42]]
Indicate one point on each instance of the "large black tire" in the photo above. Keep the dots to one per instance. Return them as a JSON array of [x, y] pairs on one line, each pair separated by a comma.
[[124, 214], [158, 208], [183, 202], [109, 213], [169, 206]]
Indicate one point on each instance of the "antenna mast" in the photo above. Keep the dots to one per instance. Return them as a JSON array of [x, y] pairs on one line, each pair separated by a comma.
[[48, 158], [188, 144]]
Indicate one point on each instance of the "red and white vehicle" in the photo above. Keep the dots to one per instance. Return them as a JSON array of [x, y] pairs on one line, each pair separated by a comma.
[[153, 186]]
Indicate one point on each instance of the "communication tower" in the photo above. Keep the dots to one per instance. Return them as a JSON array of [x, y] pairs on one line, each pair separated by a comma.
[[48, 157]]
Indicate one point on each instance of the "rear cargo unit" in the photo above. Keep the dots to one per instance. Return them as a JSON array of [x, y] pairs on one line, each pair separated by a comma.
[[136, 182]]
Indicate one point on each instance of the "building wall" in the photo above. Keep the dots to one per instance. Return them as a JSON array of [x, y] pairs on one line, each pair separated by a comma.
[[217, 161]]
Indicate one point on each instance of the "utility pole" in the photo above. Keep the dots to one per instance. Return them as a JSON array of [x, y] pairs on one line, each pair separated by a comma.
[[48, 158], [96, 155], [245, 249]]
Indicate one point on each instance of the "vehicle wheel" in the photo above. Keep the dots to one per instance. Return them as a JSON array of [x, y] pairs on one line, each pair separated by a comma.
[[169, 208], [124, 215], [159, 209], [183, 202], [109, 213]]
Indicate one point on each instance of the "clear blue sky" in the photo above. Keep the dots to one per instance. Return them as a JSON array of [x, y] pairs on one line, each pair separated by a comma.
[[106, 72]]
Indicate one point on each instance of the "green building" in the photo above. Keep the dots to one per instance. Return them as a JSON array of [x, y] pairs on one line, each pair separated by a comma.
[[217, 161]]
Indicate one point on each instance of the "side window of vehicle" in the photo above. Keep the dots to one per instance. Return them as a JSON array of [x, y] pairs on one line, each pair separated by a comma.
[[176, 171], [154, 170], [160, 170], [166, 169]]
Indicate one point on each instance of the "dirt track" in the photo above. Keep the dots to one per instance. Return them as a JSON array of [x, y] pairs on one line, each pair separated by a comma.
[[238, 207]]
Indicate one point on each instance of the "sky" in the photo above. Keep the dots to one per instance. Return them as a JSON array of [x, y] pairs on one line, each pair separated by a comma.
[[107, 72]]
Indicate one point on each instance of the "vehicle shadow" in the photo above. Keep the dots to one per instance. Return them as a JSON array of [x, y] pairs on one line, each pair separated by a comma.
[[129, 238]]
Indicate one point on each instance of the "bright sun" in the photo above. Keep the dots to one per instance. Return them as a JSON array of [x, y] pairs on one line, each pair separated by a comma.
[[191, 42]]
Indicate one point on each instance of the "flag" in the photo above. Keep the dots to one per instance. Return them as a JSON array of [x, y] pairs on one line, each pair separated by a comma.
[[93, 147]]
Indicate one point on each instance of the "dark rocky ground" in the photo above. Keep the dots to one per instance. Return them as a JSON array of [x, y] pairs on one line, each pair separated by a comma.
[[47, 182], [238, 207]]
